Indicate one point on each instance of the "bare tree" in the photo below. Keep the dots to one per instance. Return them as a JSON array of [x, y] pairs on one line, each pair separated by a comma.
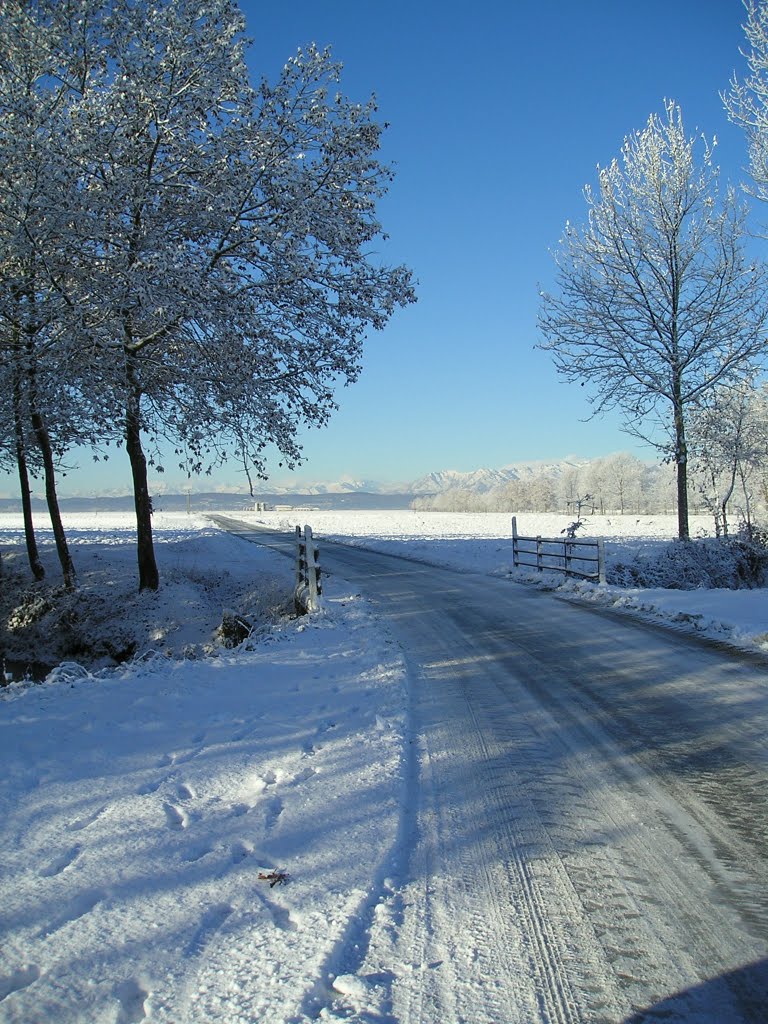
[[658, 301]]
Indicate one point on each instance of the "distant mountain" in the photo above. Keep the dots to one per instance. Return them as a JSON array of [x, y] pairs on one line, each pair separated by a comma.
[[351, 494], [479, 480], [344, 487], [482, 480]]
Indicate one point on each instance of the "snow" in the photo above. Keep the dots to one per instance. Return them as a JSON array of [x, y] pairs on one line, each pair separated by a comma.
[[480, 542], [204, 834]]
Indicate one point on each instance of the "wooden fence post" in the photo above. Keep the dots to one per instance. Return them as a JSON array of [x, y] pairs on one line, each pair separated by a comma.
[[299, 559], [308, 586], [313, 570], [600, 560]]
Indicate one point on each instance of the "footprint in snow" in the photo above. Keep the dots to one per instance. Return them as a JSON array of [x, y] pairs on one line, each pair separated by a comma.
[[175, 817], [78, 907], [211, 921], [240, 850], [274, 808], [132, 998], [303, 776], [196, 852], [21, 978], [88, 819], [62, 862], [149, 787], [281, 918]]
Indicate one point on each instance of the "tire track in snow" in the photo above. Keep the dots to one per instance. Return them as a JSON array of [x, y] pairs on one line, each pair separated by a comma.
[[635, 862], [507, 841], [476, 941]]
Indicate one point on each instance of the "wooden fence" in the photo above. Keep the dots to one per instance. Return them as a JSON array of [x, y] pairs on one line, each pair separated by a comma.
[[309, 589], [582, 558]]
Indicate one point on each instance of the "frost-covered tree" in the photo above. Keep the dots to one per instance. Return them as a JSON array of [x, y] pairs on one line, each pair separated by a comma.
[[616, 482], [542, 493], [730, 445], [625, 478], [220, 274], [747, 99], [35, 243], [658, 301], [235, 226]]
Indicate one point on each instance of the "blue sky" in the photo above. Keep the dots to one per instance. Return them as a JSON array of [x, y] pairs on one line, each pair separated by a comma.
[[499, 113]]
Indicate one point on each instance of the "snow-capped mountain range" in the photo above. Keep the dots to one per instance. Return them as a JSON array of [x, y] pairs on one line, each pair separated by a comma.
[[478, 480]]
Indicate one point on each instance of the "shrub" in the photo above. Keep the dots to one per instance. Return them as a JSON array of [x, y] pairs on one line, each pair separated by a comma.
[[731, 563]]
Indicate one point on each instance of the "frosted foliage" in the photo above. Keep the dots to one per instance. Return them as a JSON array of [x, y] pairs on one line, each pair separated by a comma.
[[202, 243], [730, 439], [655, 289], [189, 254], [747, 100]]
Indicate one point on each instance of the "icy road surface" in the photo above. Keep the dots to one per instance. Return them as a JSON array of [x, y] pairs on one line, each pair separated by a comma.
[[589, 832]]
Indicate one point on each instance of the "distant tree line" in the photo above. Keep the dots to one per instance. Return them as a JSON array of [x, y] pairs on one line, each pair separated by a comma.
[[728, 477], [618, 483]]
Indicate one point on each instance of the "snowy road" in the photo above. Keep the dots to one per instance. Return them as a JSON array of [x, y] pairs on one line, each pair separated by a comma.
[[588, 826]]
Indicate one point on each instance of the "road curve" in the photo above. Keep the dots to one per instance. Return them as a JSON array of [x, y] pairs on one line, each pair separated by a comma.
[[588, 822]]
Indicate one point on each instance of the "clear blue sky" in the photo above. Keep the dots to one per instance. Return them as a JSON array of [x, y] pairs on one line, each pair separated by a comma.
[[499, 113]]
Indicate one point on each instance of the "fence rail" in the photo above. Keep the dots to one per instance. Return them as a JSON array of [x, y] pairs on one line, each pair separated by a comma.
[[560, 554], [308, 592]]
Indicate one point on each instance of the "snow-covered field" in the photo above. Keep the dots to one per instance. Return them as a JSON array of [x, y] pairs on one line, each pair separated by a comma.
[[204, 834], [142, 806]]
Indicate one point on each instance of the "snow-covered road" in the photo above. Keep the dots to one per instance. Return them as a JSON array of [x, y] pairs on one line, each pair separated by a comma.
[[588, 829]]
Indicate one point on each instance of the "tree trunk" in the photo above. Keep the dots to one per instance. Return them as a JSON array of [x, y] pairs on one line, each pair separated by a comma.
[[728, 495], [683, 531], [33, 554], [747, 504], [44, 444], [681, 462], [713, 503], [149, 578]]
